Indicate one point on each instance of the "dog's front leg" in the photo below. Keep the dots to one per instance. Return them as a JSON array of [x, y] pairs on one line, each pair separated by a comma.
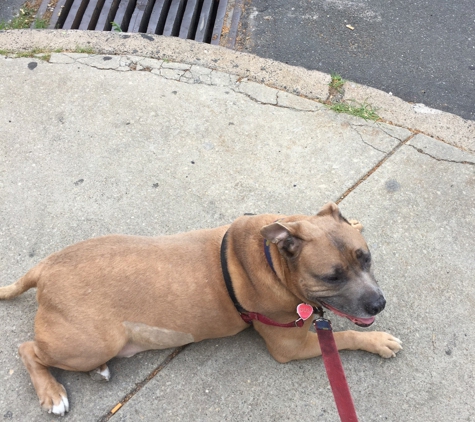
[[286, 344]]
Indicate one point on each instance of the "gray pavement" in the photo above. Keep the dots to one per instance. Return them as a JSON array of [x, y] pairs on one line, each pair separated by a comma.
[[155, 137]]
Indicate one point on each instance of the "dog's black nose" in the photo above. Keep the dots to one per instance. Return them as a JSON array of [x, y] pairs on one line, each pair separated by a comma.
[[376, 306]]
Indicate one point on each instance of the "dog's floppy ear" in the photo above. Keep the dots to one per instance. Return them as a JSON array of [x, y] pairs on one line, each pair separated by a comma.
[[282, 234], [330, 209]]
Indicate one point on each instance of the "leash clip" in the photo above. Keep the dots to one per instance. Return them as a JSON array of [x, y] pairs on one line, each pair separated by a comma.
[[319, 311], [321, 323]]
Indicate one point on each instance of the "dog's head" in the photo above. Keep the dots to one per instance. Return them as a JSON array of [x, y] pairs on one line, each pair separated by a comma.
[[329, 264]]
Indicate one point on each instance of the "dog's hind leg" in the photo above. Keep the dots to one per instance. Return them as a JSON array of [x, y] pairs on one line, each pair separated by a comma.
[[51, 393]]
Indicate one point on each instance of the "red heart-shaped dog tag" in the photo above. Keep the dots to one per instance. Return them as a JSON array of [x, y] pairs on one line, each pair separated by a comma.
[[305, 311]]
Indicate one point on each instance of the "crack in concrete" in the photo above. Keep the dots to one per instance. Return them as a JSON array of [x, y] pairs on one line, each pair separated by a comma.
[[445, 160], [253, 99], [362, 139], [379, 126], [293, 108], [389, 134], [127, 64]]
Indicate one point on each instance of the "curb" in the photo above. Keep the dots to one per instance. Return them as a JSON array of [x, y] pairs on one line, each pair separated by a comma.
[[311, 84]]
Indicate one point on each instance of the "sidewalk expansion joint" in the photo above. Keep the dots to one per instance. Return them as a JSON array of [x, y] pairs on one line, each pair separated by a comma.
[[142, 384], [376, 167], [445, 160]]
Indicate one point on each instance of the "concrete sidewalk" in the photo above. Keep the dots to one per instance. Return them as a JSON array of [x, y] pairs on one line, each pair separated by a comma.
[[139, 138]]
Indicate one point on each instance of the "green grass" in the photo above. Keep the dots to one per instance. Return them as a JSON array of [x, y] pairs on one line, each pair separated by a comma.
[[31, 53], [84, 50], [38, 53], [336, 103], [364, 110], [26, 16], [41, 23], [42, 53], [337, 82], [116, 27]]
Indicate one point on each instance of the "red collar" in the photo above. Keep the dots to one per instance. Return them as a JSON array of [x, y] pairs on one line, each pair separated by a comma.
[[254, 316]]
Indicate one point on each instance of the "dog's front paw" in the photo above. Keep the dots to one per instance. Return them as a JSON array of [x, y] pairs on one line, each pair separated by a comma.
[[384, 344], [55, 400], [356, 225]]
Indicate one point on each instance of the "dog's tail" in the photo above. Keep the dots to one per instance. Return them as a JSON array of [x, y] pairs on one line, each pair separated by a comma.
[[24, 283]]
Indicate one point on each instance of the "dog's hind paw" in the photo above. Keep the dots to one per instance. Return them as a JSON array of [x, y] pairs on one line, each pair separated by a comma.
[[61, 408], [54, 399], [101, 373]]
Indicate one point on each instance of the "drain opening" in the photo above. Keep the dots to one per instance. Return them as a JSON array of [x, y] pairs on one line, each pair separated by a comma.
[[199, 20]]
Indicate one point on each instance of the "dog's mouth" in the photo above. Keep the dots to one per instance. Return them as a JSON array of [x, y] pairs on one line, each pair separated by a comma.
[[361, 322]]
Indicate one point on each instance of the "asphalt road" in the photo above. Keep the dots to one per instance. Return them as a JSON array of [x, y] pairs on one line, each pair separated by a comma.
[[9, 9], [422, 51]]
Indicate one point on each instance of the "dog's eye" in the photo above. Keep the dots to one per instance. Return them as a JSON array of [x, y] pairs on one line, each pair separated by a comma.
[[364, 258], [332, 279], [335, 277]]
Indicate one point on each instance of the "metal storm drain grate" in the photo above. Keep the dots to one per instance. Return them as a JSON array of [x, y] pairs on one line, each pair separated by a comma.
[[199, 20]]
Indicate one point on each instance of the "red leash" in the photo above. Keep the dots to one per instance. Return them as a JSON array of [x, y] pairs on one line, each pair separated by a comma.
[[331, 358], [335, 372]]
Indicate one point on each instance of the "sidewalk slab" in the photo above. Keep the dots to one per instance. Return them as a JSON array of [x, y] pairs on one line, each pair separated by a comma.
[[418, 210], [235, 379], [89, 150], [419, 226]]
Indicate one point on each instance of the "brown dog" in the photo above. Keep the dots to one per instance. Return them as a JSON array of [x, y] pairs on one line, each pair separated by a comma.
[[115, 296]]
